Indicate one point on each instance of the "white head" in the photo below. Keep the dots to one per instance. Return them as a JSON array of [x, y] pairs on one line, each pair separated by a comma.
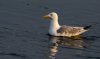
[[52, 16], [54, 22]]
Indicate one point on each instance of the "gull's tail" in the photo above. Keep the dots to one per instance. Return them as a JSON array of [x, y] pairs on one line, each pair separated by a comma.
[[89, 26]]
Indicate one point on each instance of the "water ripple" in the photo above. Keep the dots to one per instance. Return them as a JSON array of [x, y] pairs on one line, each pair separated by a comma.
[[14, 54]]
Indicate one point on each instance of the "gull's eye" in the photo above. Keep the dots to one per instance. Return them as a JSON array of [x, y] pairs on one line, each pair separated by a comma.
[[51, 14]]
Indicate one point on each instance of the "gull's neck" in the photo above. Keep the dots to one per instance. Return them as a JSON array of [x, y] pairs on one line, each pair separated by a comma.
[[54, 26]]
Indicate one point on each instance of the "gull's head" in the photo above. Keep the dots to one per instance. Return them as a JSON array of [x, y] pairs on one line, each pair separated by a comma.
[[52, 16]]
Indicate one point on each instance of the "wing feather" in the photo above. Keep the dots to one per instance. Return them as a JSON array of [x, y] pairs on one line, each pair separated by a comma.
[[69, 30]]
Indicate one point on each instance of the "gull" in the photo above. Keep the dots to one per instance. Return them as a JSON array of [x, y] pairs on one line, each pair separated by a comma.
[[63, 30]]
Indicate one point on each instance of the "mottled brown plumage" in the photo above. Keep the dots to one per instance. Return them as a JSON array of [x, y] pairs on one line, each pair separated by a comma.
[[69, 30]]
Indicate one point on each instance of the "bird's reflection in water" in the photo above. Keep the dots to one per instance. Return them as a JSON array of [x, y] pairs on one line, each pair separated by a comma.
[[57, 42], [54, 46]]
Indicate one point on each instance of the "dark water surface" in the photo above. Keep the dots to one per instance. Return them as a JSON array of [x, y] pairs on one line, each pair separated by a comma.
[[23, 30]]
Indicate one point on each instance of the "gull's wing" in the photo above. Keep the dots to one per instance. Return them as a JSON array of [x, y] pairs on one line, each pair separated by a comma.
[[70, 30]]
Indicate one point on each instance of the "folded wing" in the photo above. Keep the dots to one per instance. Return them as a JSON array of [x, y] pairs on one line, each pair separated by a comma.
[[70, 30]]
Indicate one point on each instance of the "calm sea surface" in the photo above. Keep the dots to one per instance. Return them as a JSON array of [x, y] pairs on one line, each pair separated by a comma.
[[23, 30]]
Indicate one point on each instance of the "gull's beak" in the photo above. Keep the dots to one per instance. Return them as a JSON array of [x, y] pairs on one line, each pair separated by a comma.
[[46, 17]]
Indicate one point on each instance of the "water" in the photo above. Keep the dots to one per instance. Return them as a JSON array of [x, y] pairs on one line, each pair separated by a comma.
[[23, 30]]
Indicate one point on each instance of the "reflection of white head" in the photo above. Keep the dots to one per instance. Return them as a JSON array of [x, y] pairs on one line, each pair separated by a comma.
[[53, 50]]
